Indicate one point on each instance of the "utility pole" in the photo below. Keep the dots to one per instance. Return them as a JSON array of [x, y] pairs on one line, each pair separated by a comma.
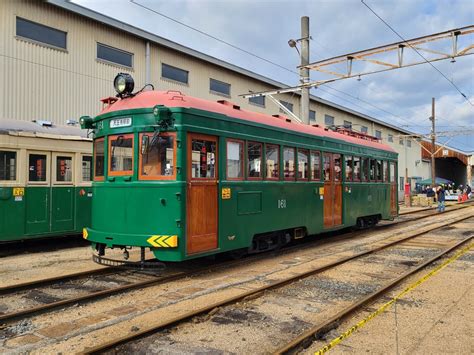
[[304, 72], [433, 147]]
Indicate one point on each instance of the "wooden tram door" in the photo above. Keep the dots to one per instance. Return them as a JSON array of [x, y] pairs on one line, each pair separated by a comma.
[[332, 190], [202, 194]]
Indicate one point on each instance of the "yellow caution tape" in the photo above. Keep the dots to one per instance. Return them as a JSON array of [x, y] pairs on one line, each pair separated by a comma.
[[163, 241], [387, 305]]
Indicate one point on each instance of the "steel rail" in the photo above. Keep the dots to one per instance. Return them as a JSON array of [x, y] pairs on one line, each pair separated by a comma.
[[252, 293], [126, 288], [344, 314], [465, 203]]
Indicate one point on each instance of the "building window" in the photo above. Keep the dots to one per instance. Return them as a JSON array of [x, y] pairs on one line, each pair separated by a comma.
[[289, 162], [408, 143], [312, 116], [378, 134], [288, 105], [173, 73], [328, 120], [40, 33], [63, 169], [364, 129], [315, 166], [348, 124], [254, 162], [303, 157], [86, 168], [37, 167], [235, 159], [7, 165], [390, 138], [219, 87], [114, 55], [400, 141], [272, 156], [257, 100]]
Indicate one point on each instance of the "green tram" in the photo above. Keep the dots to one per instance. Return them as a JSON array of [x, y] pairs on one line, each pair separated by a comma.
[[188, 178], [45, 180]]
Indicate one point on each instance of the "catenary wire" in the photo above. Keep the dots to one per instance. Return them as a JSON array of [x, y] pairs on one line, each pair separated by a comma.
[[421, 55]]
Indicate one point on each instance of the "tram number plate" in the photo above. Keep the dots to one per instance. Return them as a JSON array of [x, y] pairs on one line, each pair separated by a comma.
[[121, 122], [18, 191], [281, 203]]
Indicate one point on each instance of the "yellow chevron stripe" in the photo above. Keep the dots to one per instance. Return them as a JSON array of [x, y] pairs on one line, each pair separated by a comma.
[[163, 241]]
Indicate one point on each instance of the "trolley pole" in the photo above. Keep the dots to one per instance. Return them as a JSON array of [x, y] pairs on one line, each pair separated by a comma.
[[433, 140], [304, 72]]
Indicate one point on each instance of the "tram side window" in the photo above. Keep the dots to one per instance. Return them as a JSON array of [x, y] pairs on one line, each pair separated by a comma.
[[327, 167], [99, 163], [289, 162], [37, 167], [234, 159], [392, 172], [303, 157], [379, 170], [365, 169], [158, 160], [203, 158], [121, 155], [337, 167], [7, 165], [356, 168], [254, 159], [385, 171], [372, 169], [315, 166], [86, 168], [63, 169], [272, 157], [349, 168]]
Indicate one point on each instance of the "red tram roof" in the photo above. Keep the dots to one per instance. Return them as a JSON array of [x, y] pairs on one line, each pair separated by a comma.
[[149, 99]]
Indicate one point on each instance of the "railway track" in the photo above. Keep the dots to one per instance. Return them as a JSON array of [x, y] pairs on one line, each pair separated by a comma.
[[164, 315], [275, 286], [56, 292]]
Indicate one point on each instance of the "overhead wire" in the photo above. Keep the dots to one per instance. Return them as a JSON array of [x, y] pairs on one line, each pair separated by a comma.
[[421, 55]]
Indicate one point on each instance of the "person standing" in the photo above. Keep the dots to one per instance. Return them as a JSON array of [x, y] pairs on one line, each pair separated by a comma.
[[441, 197]]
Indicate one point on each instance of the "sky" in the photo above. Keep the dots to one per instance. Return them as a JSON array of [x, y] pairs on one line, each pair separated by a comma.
[[401, 97]]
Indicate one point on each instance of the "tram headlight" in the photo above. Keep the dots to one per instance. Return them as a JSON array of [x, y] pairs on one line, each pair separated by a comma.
[[124, 84], [86, 122]]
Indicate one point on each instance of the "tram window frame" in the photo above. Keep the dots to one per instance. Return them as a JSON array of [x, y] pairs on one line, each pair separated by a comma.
[[365, 163], [285, 176], [7, 167], [99, 177], [373, 172], [336, 173], [212, 165], [111, 139], [379, 170], [356, 177], [47, 171], [55, 159], [385, 171], [260, 177], [91, 172], [156, 177], [241, 159], [277, 149], [312, 176], [347, 159], [303, 151], [392, 177]]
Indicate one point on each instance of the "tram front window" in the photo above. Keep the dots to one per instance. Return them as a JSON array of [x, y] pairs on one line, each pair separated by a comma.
[[157, 162], [121, 155]]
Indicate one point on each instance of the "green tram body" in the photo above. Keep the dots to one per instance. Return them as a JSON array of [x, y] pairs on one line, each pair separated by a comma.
[[128, 211], [45, 180]]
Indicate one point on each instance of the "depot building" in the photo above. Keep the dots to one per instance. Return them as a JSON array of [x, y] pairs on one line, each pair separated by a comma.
[[59, 59]]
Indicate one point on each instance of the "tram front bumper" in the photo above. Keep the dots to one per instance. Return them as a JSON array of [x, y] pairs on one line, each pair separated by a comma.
[[112, 240]]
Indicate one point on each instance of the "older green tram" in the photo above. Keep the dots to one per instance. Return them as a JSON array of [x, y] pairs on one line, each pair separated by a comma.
[[187, 178], [45, 180]]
